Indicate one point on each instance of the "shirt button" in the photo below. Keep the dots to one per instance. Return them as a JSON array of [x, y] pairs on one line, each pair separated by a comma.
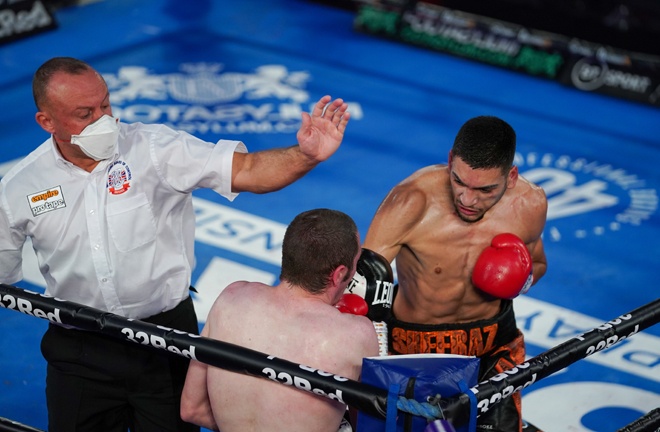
[[97, 247], [91, 212], [104, 280]]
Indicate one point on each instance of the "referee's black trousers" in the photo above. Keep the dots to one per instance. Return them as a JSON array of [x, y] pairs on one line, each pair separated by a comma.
[[96, 383]]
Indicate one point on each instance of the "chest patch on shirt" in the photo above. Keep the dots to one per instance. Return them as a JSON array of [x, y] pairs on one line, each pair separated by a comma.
[[119, 177], [47, 200]]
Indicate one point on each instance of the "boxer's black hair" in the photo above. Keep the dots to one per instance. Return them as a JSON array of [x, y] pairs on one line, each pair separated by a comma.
[[486, 142]]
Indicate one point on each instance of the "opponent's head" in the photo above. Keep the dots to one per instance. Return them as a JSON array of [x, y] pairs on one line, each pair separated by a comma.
[[70, 95], [321, 248], [481, 166]]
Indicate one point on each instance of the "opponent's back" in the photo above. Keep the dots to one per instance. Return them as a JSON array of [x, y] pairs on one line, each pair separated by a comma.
[[285, 322]]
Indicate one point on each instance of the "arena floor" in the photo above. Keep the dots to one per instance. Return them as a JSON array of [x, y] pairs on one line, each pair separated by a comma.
[[244, 70]]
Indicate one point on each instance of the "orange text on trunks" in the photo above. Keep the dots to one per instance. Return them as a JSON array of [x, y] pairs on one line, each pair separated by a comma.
[[472, 342]]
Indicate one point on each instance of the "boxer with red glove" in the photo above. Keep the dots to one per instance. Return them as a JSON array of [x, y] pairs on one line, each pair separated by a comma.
[[504, 269]]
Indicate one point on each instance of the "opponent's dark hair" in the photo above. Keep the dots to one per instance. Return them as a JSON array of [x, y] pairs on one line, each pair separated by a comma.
[[315, 244], [486, 142], [45, 73]]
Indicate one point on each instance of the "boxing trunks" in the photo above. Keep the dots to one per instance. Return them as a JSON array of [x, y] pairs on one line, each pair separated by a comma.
[[496, 341]]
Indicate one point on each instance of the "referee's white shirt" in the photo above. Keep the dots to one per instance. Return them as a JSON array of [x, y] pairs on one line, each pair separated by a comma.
[[120, 238]]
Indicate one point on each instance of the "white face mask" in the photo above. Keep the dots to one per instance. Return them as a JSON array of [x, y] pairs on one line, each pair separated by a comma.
[[99, 139]]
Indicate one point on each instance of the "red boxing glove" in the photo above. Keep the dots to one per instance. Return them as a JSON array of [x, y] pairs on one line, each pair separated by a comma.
[[504, 269], [352, 304]]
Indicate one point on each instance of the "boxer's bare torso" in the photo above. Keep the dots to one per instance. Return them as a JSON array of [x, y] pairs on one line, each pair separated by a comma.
[[430, 224], [306, 330]]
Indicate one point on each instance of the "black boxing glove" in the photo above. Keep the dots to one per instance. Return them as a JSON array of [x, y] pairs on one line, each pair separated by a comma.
[[374, 282]]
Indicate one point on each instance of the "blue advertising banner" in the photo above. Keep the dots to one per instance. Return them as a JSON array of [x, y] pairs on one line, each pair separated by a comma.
[[22, 18]]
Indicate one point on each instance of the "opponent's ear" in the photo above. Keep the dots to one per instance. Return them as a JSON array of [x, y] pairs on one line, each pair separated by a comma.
[[339, 275], [512, 178], [335, 286]]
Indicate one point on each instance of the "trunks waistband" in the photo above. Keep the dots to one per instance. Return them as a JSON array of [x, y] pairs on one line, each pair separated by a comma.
[[474, 338]]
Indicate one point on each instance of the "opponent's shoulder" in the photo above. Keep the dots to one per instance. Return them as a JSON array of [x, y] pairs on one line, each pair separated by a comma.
[[422, 197], [528, 211], [413, 194], [359, 332], [531, 186], [237, 293], [238, 303], [428, 174], [532, 195]]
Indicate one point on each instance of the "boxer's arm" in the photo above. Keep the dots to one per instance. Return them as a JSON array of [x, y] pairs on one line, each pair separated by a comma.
[[537, 206], [539, 261], [195, 403], [398, 214]]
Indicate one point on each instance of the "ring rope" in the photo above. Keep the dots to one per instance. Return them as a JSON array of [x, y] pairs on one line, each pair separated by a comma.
[[503, 385], [365, 397], [7, 425], [650, 422]]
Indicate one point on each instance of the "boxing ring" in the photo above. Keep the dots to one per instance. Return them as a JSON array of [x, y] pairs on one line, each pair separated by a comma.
[[596, 157], [458, 410]]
